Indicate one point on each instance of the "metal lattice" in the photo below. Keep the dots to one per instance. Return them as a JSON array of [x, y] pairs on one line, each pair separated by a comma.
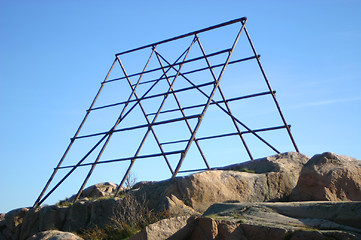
[[170, 90]]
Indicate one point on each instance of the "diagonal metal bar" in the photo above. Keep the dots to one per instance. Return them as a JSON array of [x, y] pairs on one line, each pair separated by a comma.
[[207, 104], [225, 100], [109, 135], [37, 202], [144, 113], [135, 100], [71, 171], [154, 119], [270, 89], [224, 110], [149, 90], [182, 112]]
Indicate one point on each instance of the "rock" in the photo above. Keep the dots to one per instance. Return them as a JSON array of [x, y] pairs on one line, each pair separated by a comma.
[[172, 228], [2, 221], [205, 228], [13, 222], [309, 235], [106, 189], [258, 231], [249, 205], [54, 235], [329, 177], [81, 215], [85, 215], [260, 221], [230, 230], [278, 220], [44, 218], [268, 179]]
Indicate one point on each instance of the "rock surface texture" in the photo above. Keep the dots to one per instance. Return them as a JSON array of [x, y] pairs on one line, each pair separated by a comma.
[[267, 179], [54, 235], [271, 221], [260, 199], [329, 177]]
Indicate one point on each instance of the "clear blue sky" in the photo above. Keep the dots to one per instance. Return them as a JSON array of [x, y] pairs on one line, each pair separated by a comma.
[[54, 54]]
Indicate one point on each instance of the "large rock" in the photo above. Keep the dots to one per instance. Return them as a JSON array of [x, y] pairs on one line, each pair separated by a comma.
[[329, 177], [277, 178], [54, 235], [319, 215], [13, 223], [268, 179], [261, 221], [81, 215]]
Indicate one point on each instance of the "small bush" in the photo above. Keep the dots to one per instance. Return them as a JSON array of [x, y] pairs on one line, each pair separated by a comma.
[[130, 216]]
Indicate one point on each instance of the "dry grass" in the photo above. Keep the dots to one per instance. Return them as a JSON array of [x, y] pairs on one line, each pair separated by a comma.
[[130, 216]]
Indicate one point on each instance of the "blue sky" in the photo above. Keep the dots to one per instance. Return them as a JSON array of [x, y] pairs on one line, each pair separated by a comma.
[[54, 54]]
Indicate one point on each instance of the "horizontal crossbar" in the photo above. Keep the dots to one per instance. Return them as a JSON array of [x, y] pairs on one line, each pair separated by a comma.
[[228, 100], [185, 73], [140, 126], [153, 96], [228, 134], [169, 66], [123, 159]]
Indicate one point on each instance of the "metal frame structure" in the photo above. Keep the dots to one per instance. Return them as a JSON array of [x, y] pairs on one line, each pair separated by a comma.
[[168, 72]]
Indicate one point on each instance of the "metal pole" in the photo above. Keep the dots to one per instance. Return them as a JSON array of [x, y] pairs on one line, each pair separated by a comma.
[[154, 119], [225, 101], [143, 111], [183, 114], [110, 133], [36, 204], [224, 110], [270, 89], [207, 104]]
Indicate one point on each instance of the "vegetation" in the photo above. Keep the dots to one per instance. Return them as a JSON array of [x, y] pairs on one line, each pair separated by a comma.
[[247, 170], [65, 203], [130, 217]]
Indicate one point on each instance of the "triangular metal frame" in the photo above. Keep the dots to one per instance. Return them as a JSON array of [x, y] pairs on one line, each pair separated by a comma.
[[169, 72]]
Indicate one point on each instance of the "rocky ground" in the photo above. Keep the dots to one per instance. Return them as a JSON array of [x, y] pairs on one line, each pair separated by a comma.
[[286, 196]]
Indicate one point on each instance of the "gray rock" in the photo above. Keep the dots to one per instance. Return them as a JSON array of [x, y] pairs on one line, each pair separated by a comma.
[[291, 217]]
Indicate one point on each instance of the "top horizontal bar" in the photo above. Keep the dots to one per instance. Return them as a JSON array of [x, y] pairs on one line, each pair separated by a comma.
[[243, 19]]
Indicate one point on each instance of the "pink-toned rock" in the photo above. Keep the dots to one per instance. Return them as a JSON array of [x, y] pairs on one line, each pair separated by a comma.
[[267, 179], [329, 177]]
